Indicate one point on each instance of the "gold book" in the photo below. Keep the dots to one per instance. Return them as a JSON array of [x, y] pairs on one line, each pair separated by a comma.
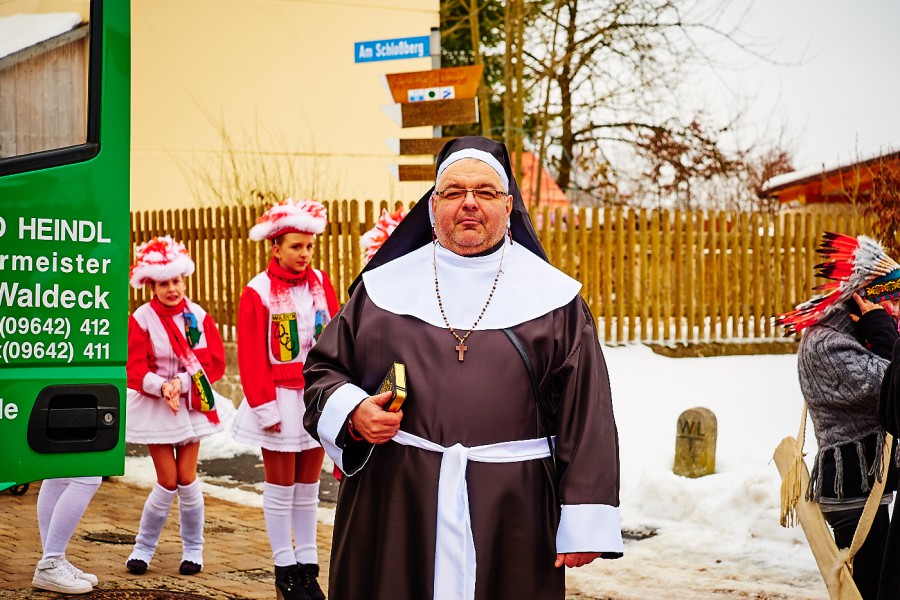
[[395, 382]]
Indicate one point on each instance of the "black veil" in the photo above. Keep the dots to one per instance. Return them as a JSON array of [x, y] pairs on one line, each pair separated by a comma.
[[415, 230]]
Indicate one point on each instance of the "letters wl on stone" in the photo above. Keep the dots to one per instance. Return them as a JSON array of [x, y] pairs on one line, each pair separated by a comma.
[[695, 443]]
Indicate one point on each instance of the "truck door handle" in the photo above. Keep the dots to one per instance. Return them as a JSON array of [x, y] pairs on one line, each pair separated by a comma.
[[75, 418]]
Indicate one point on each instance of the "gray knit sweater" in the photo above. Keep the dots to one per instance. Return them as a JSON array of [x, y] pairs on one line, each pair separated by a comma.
[[841, 382]]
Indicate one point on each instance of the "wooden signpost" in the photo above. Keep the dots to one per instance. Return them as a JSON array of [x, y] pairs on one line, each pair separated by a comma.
[[438, 112], [436, 97], [462, 80], [415, 172], [418, 146]]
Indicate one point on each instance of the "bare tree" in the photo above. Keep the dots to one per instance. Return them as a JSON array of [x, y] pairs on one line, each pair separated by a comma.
[[774, 161], [471, 31], [874, 186], [254, 167], [884, 205], [610, 73]]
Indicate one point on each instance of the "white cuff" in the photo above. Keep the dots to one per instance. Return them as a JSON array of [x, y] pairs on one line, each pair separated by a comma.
[[152, 384], [340, 404], [267, 414], [589, 528], [185, 384]]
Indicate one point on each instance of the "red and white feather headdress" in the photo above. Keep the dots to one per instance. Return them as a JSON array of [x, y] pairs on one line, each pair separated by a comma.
[[160, 259], [290, 216], [852, 264], [372, 240]]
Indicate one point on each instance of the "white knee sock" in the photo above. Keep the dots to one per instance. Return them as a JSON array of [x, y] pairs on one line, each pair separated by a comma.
[[67, 512], [51, 490], [277, 506], [190, 508], [156, 511], [303, 519]]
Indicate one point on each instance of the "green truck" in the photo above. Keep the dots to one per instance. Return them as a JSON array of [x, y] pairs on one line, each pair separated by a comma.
[[64, 240]]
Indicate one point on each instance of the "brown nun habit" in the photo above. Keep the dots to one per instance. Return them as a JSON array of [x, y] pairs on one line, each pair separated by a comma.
[[465, 503]]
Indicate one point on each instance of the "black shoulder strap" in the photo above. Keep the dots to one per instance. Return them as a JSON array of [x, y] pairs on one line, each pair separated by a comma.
[[517, 344]]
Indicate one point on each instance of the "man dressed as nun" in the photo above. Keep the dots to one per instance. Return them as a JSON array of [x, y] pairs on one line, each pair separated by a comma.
[[501, 467]]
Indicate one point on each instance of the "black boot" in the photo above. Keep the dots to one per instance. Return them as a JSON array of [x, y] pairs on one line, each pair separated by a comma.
[[288, 585], [136, 566], [308, 575], [189, 568]]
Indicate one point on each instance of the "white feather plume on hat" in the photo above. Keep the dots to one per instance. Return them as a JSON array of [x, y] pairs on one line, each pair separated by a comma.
[[372, 240], [306, 216], [160, 259]]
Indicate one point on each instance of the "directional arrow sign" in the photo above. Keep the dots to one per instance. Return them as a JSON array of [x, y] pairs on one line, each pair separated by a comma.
[[414, 146], [438, 112], [412, 172], [437, 84]]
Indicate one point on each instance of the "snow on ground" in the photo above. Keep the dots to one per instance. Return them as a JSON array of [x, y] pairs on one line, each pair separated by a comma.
[[717, 536]]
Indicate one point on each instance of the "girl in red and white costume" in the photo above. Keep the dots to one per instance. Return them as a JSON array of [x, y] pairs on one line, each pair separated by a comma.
[[175, 353], [282, 312]]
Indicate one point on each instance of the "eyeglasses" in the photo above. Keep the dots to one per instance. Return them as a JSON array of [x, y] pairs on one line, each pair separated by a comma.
[[454, 194]]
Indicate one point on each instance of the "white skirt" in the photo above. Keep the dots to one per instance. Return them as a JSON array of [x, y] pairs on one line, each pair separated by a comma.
[[292, 438], [150, 420]]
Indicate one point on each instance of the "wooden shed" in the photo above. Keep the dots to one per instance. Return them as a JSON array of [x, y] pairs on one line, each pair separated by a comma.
[[829, 185], [43, 94]]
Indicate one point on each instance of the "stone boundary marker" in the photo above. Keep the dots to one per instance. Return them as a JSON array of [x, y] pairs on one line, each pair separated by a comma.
[[695, 443]]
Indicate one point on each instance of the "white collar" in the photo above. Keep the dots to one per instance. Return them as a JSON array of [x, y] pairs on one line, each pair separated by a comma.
[[528, 288]]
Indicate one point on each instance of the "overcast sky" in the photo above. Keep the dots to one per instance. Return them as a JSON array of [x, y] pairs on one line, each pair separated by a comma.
[[845, 94]]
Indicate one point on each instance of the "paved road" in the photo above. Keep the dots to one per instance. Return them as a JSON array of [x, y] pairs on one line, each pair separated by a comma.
[[237, 554]]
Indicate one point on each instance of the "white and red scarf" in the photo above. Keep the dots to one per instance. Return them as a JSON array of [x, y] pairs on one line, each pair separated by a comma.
[[284, 334], [200, 395]]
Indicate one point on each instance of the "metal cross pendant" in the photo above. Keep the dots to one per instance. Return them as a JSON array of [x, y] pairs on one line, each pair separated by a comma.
[[461, 348]]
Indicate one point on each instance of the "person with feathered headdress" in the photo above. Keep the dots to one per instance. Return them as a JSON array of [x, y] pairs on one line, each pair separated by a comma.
[[175, 354], [849, 331]]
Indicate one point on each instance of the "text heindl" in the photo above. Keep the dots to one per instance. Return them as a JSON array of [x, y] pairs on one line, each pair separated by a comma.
[[60, 230]]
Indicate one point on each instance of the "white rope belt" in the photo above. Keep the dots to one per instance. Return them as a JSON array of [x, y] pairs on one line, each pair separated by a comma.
[[454, 552]]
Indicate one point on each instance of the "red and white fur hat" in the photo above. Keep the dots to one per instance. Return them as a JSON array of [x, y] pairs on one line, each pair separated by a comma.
[[290, 216], [160, 259], [372, 240]]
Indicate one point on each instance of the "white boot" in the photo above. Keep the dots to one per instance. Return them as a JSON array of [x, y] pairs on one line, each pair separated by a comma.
[[54, 575], [156, 511], [190, 508], [304, 513], [277, 506]]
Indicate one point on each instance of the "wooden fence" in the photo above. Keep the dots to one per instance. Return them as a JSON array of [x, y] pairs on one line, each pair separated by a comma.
[[648, 275]]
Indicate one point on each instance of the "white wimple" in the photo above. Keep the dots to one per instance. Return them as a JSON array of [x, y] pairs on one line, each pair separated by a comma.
[[528, 288]]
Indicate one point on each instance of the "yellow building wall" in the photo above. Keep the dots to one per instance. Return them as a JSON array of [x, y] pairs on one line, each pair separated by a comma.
[[278, 75], [12, 7]]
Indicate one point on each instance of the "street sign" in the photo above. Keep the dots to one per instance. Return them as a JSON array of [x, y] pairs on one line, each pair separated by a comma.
[[394, 49], [414, 172], [438, 112], [417, 146], [463, 81]]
